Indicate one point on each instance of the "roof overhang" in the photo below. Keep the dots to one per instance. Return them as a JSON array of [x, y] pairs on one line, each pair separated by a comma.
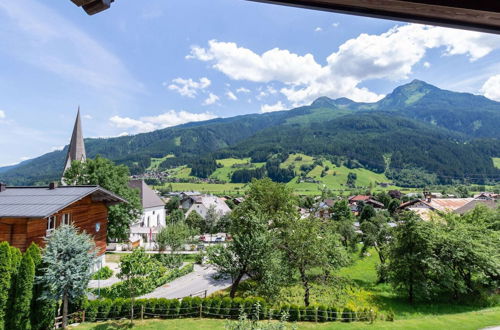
[[478, 15]]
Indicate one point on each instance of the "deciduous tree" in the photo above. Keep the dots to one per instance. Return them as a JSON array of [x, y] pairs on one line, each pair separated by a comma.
[[103, 172]]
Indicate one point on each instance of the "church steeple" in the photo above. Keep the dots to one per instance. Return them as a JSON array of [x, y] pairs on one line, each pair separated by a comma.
[[76, 150]]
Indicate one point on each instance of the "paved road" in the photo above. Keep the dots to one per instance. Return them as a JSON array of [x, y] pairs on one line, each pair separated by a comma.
[[200, 279], [110, 281]]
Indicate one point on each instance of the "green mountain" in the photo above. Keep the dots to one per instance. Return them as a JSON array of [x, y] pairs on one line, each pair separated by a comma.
[[418, 126]]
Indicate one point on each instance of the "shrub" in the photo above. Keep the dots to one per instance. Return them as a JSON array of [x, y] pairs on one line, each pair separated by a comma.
[[196, 304], [215, 307], [332, 314], [163, 307], [235, 308], [91, 311], [116, 308], [174, 308], [294, 312], [348, 315], [185, 309], [225, 306], [102, 274], [390, 316], [311, 314], [323, 314], [150, 307]]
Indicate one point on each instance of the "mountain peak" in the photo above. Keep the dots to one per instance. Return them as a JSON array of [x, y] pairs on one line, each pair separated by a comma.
[[326, 102]]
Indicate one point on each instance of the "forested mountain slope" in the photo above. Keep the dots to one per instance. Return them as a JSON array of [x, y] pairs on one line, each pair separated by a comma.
[[417, 125]]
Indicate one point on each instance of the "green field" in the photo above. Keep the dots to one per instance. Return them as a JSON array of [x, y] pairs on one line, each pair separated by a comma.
[[223, 188], [335, 178], [496, 162], [224, 173], [457, 321], [155, 162]]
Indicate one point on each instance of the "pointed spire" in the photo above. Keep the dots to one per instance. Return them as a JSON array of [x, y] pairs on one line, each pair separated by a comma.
[[76, 150]]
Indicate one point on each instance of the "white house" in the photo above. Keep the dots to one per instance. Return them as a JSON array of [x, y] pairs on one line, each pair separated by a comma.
[[152, 219], [202, 203]]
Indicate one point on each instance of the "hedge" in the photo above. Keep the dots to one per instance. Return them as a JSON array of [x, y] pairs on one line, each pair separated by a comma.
[[121, 290], [215, 307], [102, 274]]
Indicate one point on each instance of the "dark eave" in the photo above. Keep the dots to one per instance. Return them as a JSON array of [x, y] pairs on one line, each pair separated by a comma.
[[478, 15], [92, 7]]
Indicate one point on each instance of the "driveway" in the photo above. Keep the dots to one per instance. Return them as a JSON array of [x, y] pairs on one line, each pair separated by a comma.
[[193, 283]]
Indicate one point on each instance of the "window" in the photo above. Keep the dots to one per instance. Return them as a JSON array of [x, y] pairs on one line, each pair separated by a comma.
[[51, 225], [66, 219]]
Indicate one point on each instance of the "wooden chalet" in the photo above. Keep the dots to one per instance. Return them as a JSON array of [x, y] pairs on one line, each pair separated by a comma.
[[31, 214]]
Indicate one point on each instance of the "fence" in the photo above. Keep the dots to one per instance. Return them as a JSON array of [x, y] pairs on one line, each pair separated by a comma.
[[226, 308]]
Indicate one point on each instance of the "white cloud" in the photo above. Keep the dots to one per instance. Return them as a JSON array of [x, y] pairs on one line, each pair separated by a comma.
[[211, 99], [390, 55], [491, 88], [318, 29], [188, 87], [272, 107], [151, 123], [230, 95], [242, 90], [57, 148], [427, 65], [335, 24], [87, 117], [123, 134], [34, 33], [2, 114]]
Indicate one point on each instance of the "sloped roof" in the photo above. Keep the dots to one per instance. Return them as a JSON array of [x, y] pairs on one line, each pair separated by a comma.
[[448, 204], [41, 202], [359, 198], [471, 205], [209, 200], [148, 197], [76, 149]]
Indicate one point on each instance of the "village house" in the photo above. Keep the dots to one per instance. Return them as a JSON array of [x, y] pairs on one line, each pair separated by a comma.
[[202, 203], [31, 214], [428, 206], [355, 202], [143, 232]]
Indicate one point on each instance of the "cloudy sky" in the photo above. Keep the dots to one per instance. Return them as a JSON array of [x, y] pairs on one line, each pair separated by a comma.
[[145, 65]]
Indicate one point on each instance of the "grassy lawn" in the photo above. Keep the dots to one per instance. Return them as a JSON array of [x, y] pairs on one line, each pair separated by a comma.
[[460, 321]]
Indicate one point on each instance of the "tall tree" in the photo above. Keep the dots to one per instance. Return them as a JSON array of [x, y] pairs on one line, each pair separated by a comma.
[[138, 269], [42, 311], [174, 236], [196, 222], [306, 246], [5, 271], [68, 260], [249, 251], [23, 292], [103, 172], [411, 256], [16, 257]]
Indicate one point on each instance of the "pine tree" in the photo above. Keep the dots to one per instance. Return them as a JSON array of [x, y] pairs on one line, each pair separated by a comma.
[[68, 258], [5, 263], [23, 292]]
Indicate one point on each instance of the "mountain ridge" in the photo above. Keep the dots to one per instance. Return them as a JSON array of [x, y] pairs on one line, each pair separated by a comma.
[[455, 118]]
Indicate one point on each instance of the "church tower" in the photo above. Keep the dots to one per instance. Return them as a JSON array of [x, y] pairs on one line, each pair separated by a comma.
[[76, 150]]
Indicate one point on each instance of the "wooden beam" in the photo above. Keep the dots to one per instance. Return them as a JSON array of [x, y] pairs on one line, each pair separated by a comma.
[[478, 15]]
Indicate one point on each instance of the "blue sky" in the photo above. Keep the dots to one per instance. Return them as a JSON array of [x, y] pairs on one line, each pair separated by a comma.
[[145, 65]]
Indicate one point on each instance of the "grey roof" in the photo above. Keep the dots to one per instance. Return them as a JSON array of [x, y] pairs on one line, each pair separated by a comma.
[[41, 202], [76, 149], [472, 204], [148, 197]]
